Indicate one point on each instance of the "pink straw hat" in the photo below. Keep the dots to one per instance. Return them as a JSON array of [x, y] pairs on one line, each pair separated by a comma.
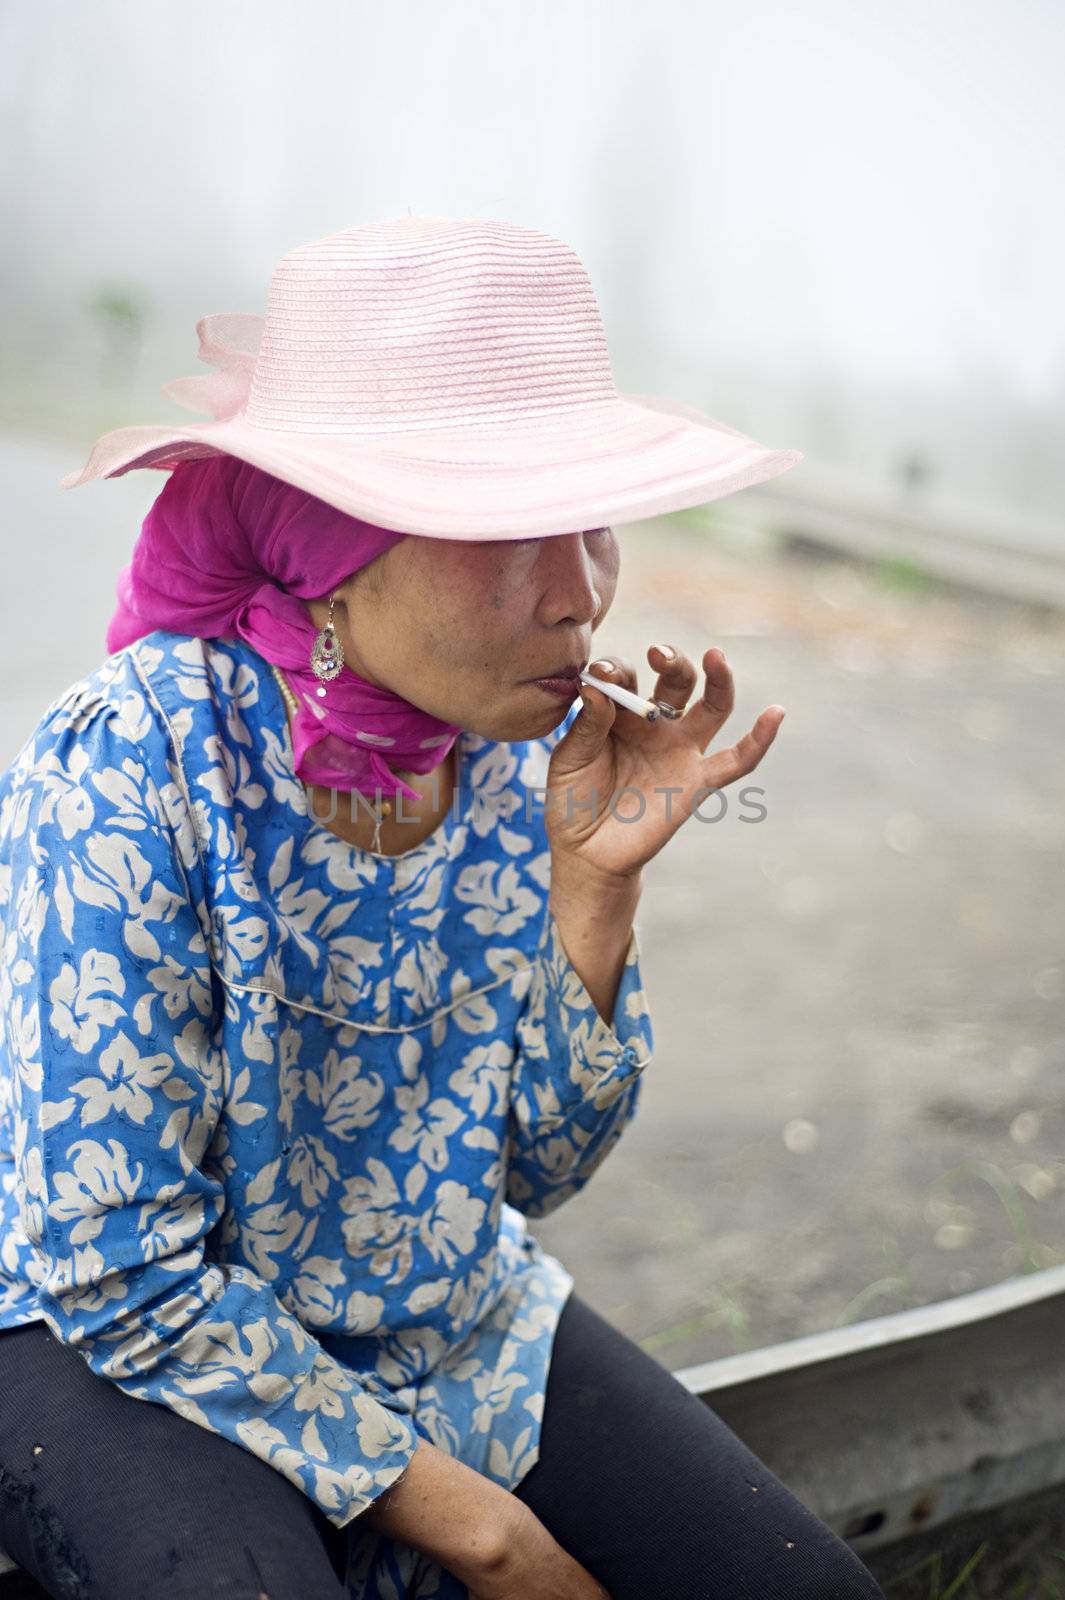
[[442, 376]]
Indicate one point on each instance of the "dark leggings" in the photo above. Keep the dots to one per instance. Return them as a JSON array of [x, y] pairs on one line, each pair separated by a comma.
[[107, 1497]]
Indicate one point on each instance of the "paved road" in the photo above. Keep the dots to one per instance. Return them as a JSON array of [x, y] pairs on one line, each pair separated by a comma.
[[858, 994], [854, 998], [63, 551]]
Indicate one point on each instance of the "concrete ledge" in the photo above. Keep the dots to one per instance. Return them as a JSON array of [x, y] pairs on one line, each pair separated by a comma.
[[907, 1422]]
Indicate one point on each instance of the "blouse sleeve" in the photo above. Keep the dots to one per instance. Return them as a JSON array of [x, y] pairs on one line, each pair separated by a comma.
[[575, 1078], [118, 1086]]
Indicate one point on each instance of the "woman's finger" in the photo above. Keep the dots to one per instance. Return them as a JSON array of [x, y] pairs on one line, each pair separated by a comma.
[[677, 675], [617, 668], [725, 766], [714, 706], [623, 672]]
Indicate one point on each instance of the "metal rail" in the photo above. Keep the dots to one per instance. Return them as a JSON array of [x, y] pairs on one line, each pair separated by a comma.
[[1017, 554]]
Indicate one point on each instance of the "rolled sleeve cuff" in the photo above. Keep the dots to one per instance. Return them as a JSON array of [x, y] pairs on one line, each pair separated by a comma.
[[603, 1058]]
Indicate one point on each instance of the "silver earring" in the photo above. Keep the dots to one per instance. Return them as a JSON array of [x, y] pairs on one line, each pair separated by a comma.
[[327, 658]]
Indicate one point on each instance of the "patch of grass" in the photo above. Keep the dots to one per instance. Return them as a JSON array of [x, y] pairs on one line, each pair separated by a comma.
[[724, 1310], [1009, 1195], [902, 575], [936, 1590], [925, 1579], [695, 520], [895, 1284]]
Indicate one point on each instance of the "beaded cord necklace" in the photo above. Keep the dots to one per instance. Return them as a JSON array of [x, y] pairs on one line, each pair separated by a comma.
[[385, 808]]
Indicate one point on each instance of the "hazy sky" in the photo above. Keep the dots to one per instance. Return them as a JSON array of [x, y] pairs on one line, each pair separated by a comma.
[[784, 209]]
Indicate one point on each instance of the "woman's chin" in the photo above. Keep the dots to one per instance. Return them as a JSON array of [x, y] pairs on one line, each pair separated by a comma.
[[532, 722]]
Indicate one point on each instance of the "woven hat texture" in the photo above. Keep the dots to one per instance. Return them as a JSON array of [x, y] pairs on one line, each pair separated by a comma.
[[443, 376]]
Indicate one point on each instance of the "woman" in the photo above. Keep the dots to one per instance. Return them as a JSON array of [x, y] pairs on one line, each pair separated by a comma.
[[285, 1078]]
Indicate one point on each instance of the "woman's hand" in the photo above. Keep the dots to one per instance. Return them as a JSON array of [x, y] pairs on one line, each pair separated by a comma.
[[535, 1567], [609, 748], [479, 1531]]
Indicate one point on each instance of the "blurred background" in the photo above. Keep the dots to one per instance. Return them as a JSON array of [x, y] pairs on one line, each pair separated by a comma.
[[836, 227]]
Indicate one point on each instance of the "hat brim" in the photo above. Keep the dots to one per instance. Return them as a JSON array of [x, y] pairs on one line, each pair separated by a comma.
[[599, 464]]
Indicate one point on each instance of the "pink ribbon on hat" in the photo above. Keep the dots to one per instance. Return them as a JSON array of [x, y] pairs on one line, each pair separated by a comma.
[[229, 340], [228, 550]]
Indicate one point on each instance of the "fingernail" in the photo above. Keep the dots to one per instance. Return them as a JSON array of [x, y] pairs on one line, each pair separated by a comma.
[[666, 650], [607, 666]]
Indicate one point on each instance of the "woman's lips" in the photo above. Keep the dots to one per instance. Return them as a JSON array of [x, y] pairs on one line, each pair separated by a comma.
[[563, 686]]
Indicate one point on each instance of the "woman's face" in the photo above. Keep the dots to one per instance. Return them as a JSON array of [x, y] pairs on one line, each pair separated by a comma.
[[461, 629]]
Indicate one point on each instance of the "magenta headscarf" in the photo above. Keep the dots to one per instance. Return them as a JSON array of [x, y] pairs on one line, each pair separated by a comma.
[[228, 551]]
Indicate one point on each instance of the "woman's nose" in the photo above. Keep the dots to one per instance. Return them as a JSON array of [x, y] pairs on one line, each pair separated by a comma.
[[569, 590]]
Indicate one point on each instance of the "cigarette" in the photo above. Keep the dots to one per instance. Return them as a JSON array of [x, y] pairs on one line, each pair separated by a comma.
[[651, 710]]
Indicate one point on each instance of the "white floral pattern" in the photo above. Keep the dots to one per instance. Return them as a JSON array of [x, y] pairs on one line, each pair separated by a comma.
[[274, 1109]]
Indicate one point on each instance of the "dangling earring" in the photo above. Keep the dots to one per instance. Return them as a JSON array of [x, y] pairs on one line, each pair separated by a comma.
[[327, 658]]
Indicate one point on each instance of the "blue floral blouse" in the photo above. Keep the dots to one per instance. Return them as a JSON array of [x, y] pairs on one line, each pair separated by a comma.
[[274, 1109]]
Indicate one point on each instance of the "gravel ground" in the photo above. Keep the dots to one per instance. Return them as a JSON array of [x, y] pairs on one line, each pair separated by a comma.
[[855, 1102]]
